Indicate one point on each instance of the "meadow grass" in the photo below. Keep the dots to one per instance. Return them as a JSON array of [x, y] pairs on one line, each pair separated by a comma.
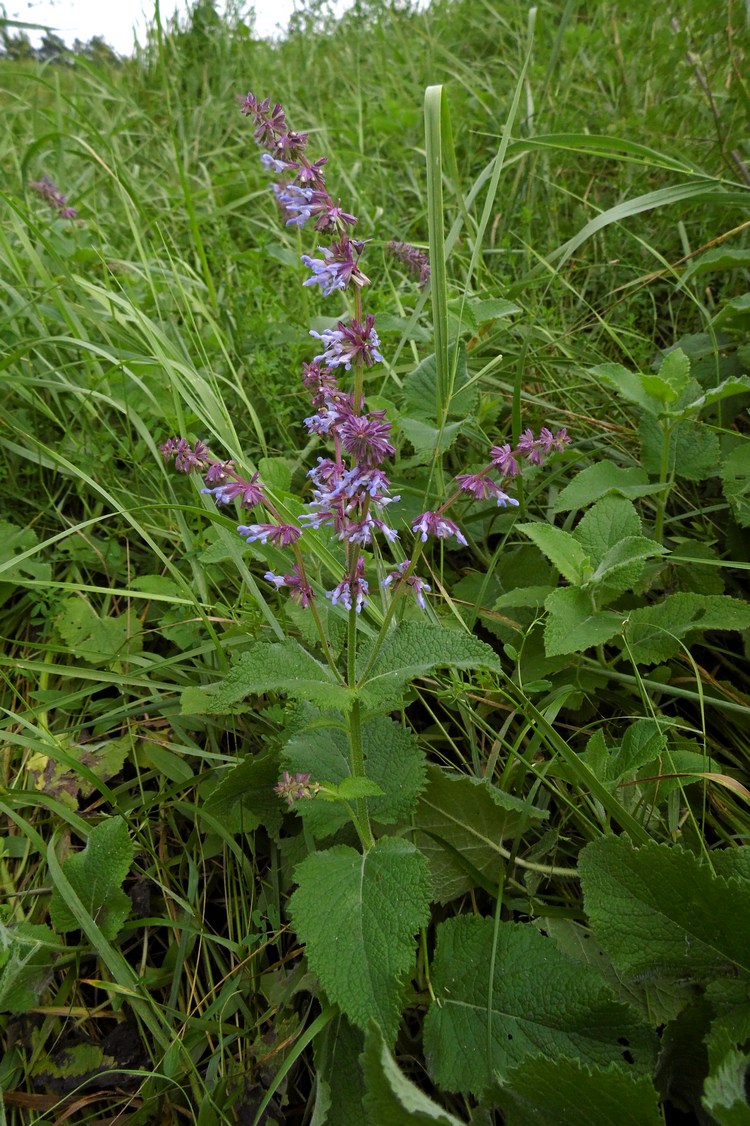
[[581, 172]]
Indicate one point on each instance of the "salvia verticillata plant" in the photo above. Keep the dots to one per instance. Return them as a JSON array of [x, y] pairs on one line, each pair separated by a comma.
[[51, 194], [346, 763]]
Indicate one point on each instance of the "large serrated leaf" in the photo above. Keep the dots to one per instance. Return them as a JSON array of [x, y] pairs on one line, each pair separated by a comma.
[[599, 479], [95, 875], [357, 915], [629, 384], [279, 667], [393, 759], [392, 1098], [537, 1001], [413, 649], [244, 797], [659, 912], [565, 1091], [603, 527], [735, 479], [654, 633], [461, 823], [561, 548], [573, 624]]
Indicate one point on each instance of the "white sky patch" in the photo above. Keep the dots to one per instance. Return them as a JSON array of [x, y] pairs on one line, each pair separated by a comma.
[[115, 20]]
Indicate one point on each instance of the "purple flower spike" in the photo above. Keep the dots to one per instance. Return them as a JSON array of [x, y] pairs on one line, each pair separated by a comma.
[[481, 486], [349, 343], [417, 585], [248, 493], [49, 191], [365, 437], [352, 590], [299, 589], [415, 260], [282, 535], [433, 524], [186, 457], [217, 472], [294, 787]]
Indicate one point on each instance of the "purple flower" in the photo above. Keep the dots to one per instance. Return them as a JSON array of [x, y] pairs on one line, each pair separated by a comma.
[[481, 486], [417, 585], [365, 436], [299, 588], [295, 202], [272, 164], [504, 459], [48, 190], [352, 590], [249, 493], [293, 788], [310, 175], [186, 457], [269, 122], [415, 260], [349, 343], [529, 448], [282, 535], [336, 269], [217, 472], [433, 524], [331, 217]]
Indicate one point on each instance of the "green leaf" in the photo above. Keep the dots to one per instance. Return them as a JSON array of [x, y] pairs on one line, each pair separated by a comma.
[[574, 625], [725, 1094], [460, 824], [654, 632], [357, 915], [598, 480], [414, 649], [95, 640], [14, 543], [735, 479], [95, 875], [392, 1098], [492, 309], [420, 391], [423, 436], [626, 383], [694, 450], [659, 912], [561, 548], [736, 385], [340, 1084], [278, 667], [352, 788], [561, 1091], [674, 373], [27, 952], [602, 528], [537, 1001], [625, 560], [394, 761], [244, 797]]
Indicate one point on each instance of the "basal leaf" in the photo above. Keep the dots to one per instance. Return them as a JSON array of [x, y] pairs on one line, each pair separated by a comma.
[[557, 1092], [283, 667], [394, 761], [27, 953], [357, 915], [735, 479], [392, 1098], [94, 639], [659, 911], [574, 625], [95, 874], [561, 548], [244, 797], [413, 649], [602, 528], [654, 632], [460, 823], [538, 1003], [599, 479]]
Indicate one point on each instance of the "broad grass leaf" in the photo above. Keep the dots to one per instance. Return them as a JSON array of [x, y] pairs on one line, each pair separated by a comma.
[[537, 1002], [357, 915], [562, 1091], [392, 1098], [574, 625], [654, 632], [561, 548], [462, 819], [393, 758], [414, 649], [95, 875], [599, 479], [283, 667], [660, 912]]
